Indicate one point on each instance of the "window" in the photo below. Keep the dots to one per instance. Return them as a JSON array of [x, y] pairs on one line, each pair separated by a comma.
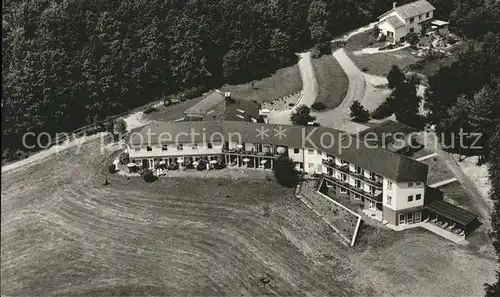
[[372, 190], [420, 17], [311, 165], [401, 218], [164, 147], [195, 146], [410, 185], [389, 200], [318, 152], [180, 147], [148, 148], [410, 198], [311, 152], [359, 170], [343, 190], [343, 177], [412, 30], [358, 184], [209, 145], [418, 216], [412, 20], [418, 184], [137, 148], [418, 197], [320, 168], [357, 197], [409, 218], [427, 14], [295, 150], [389, 185]]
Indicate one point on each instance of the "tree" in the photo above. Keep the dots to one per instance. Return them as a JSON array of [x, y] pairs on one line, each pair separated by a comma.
[[318, 19], [376, 32], [302, 116], [405, 103], [412, 38], [395, 76], [494, 171], [359, 113], [148, 176], [285, 172], [120, 127]]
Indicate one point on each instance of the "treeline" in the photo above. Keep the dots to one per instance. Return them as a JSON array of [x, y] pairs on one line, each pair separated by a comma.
[[74, 62], [466, 95]]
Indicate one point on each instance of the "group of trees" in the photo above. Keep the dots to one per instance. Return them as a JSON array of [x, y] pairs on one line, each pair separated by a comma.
[[74, 62]]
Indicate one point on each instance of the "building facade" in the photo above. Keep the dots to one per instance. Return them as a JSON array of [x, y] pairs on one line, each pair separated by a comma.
[[409, 18]]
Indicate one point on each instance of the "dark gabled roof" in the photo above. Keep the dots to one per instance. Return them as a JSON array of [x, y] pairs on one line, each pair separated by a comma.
[[388, 127], [348, 147], [452, 212], [240, 110], [412, 9], [206, 104]]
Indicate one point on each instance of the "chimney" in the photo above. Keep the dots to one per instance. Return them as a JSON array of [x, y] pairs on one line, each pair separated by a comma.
[[394, 4]]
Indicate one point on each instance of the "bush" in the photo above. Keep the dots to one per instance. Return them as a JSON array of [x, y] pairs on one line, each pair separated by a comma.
[[412, 38], [148, 176], [111, 168], [285, 173], [384, 110], [193, 92], [173, 166], [150, 109], [318, 106], [124, 158], [120, 127], [202, 165], [382, 38], [315, 53], [359, 113]]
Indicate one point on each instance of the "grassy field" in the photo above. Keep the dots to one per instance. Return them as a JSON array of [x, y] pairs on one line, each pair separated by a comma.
[[64, 233], [332, 81], [284, 82], [380, 64], [360, 41]]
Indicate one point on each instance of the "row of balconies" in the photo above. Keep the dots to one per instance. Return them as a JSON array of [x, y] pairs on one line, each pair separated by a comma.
[[377, 196], [250, 153], [377, 182]]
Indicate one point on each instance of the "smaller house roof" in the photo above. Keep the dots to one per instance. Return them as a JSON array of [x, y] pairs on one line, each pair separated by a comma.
[[206, 104], [412, 9], [439, 23], [452, 212], [394, 21]]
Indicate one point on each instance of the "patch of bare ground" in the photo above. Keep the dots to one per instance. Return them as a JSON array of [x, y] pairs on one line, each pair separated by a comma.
[[65, 233]]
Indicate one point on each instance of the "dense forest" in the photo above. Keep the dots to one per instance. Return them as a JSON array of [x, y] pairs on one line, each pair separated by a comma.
[[70, 63]]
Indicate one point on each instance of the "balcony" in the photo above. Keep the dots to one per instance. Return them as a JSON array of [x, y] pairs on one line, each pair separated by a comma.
[[378, 183], [242, 152], [345, 184]]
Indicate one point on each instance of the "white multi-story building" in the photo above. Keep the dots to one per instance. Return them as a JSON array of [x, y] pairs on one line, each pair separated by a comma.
[[404, 19], [388, 185]]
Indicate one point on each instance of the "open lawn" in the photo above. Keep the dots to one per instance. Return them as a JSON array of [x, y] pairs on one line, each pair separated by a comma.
[[332, 81], [64, 233], [284, 82], [360, 41], [380, 64]]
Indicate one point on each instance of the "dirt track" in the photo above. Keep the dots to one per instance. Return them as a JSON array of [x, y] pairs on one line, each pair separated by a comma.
[[64, 233]]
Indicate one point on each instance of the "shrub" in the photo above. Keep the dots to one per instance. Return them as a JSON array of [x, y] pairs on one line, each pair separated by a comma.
[[112, 168], [382, 38], [318, 106], [412, 38], [120, 127], [148, 176], [315, 53], [150, 109], [202, 165], [173, 166], [124, 158], [193, 92], [302, 116], [383, 110], [359, 113], [285, 173]]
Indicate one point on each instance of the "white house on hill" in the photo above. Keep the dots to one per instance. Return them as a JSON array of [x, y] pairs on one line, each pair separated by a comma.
[[404, 19]]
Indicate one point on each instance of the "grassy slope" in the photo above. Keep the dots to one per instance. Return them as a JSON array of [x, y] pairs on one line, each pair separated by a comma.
[[332, 81], [380, 64], [65, 233], [284, 82]]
